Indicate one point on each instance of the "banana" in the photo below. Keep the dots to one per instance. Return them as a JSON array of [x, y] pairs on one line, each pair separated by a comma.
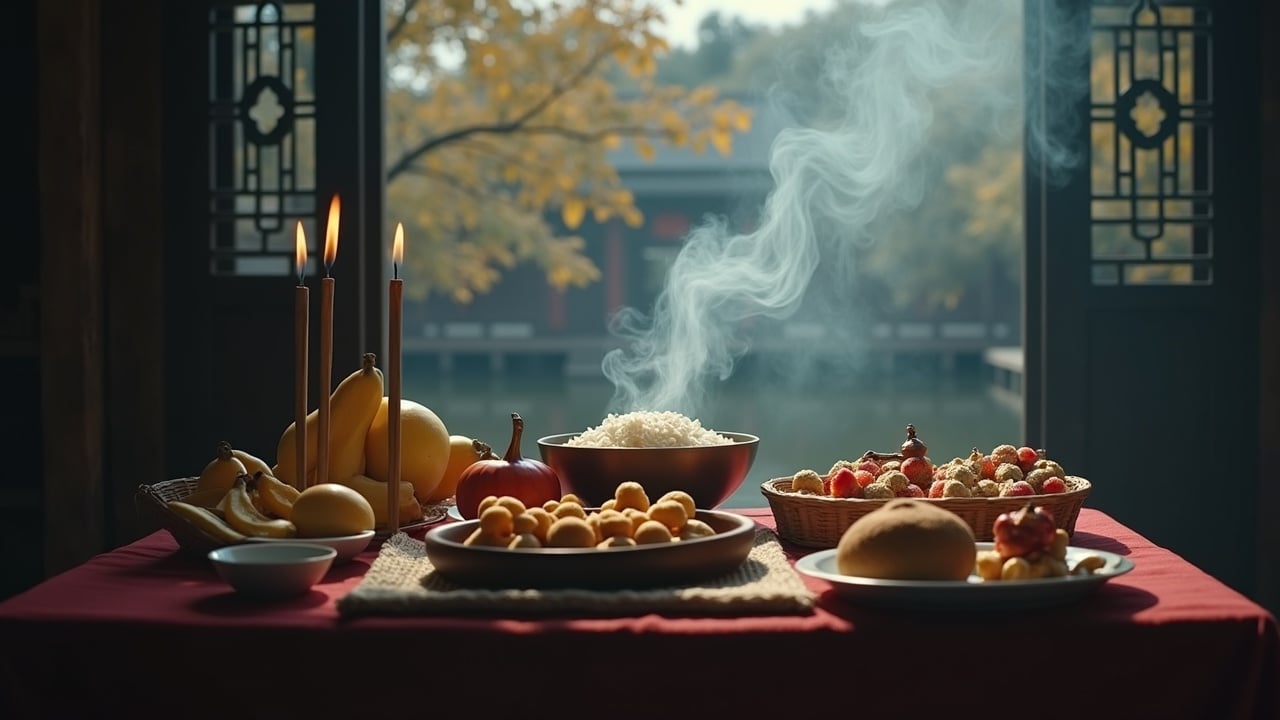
[[252, 463], [205, 521], [275, 496], [222, 471], [244, 517], [207, 498]]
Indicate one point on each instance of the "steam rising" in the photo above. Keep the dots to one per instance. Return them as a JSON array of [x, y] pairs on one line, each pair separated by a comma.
[[833, 187]]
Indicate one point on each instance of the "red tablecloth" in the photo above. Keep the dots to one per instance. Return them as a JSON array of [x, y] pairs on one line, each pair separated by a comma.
[[148, 632]]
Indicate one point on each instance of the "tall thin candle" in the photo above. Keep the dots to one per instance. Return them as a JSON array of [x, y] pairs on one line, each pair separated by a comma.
[[395, 304], [326, 342], [301, 319]]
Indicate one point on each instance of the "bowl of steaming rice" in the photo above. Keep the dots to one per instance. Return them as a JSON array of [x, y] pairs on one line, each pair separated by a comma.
[[661, 450]]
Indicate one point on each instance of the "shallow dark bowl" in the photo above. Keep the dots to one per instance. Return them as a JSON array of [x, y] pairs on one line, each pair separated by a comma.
[[709, 473], [640, 566]]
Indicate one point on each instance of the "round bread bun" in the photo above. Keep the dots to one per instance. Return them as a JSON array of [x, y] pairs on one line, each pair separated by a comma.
[[907, 539]]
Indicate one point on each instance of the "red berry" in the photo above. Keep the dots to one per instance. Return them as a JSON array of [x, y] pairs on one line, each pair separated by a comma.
[[844, 484], [988, 467], [870, 466], [1027, 458], [915, 491], [918, 470], [1053, 485], [1020, 488], [863, 477], [935, 490]]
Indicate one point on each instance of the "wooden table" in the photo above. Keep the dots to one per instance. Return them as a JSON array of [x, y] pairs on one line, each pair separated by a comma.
[[146, 631]]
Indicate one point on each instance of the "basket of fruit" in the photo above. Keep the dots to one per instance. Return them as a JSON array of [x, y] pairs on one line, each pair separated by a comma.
[[814, 510]]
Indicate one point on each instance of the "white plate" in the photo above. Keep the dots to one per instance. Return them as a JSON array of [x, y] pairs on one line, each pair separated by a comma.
[[971, 594], [347, 546]]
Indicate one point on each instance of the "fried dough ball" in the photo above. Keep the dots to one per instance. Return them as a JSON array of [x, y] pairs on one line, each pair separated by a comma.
[[571, 532], [564, 510], [963, 473], [637, 518], [989, 564], [878, 491], [524, 540], [1058, 549], [1088, 564], [1009, 472], [694, 529], [806, 481], [836, 467], [652, 532], [956, 488], [1015, 568], [1004, 454], [895, 479], [485, 503], [609, 504], [690, 509], [497, 520], [616, 541], [670, 513], [513, 504], [615, 524], [482, 538], [571, 498], [631, 494], [1036, 478], [544, 520], [524, 523], [891, 465], [986, 488], [551, 505]]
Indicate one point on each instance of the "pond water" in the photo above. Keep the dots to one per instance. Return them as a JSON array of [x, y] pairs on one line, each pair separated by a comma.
[[799, 427]]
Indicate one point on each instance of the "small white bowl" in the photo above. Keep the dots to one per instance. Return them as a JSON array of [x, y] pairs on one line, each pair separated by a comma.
[[347, 546], [277, 570]]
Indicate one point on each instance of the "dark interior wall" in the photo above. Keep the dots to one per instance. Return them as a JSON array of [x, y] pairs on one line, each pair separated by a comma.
[[21, 517]]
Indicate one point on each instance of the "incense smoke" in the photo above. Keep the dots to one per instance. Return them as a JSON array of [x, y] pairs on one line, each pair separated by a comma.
[[833, 187]]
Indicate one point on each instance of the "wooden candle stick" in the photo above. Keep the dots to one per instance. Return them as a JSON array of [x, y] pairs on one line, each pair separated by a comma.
[[301, 336], [395, 304], [326, 343]]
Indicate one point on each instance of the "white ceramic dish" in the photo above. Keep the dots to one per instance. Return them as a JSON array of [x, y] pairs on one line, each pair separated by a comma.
[[346, 546], [969, 595], [274, 570], [453, 513]]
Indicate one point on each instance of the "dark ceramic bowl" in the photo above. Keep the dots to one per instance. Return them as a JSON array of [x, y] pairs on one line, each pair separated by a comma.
[[635, 567], [709, 473]]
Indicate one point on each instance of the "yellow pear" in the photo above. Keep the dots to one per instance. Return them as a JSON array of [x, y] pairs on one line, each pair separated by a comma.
[[424, 447]]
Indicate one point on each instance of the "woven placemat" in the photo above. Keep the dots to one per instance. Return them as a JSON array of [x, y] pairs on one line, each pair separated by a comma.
[[401, 581]]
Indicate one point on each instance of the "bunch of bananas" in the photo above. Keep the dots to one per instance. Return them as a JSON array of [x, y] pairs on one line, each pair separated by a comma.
[[229, 504]]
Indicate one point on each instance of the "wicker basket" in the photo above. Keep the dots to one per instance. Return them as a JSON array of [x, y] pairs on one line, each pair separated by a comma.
[[818, 521], [155, 514]]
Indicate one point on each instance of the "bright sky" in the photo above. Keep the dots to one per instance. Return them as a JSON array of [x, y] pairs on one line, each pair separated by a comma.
[[682, 19]]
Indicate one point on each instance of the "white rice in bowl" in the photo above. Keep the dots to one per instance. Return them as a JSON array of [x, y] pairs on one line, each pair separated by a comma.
[[648, 429]]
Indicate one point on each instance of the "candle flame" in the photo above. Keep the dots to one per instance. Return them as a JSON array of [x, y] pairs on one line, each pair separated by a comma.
[[331, 233], [397, 246], [300, 253]]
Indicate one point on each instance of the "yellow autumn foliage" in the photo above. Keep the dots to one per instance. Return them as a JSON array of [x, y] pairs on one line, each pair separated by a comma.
[[502, 115]]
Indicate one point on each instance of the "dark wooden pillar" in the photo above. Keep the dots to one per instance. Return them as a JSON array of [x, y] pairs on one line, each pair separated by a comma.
[[71, 308]]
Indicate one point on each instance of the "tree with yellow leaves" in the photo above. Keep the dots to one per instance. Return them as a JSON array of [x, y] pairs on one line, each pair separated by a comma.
[[501, 114]]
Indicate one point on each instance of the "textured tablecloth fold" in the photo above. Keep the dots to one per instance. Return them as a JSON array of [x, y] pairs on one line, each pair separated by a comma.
[[401, 581]]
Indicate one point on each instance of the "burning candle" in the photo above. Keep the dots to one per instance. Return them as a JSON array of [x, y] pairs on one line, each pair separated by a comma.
[[301, 319], [326, 342], [394, 377]]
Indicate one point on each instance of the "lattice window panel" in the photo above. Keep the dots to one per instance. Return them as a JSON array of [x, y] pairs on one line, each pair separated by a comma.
[[261, 118], [1151, 125]]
